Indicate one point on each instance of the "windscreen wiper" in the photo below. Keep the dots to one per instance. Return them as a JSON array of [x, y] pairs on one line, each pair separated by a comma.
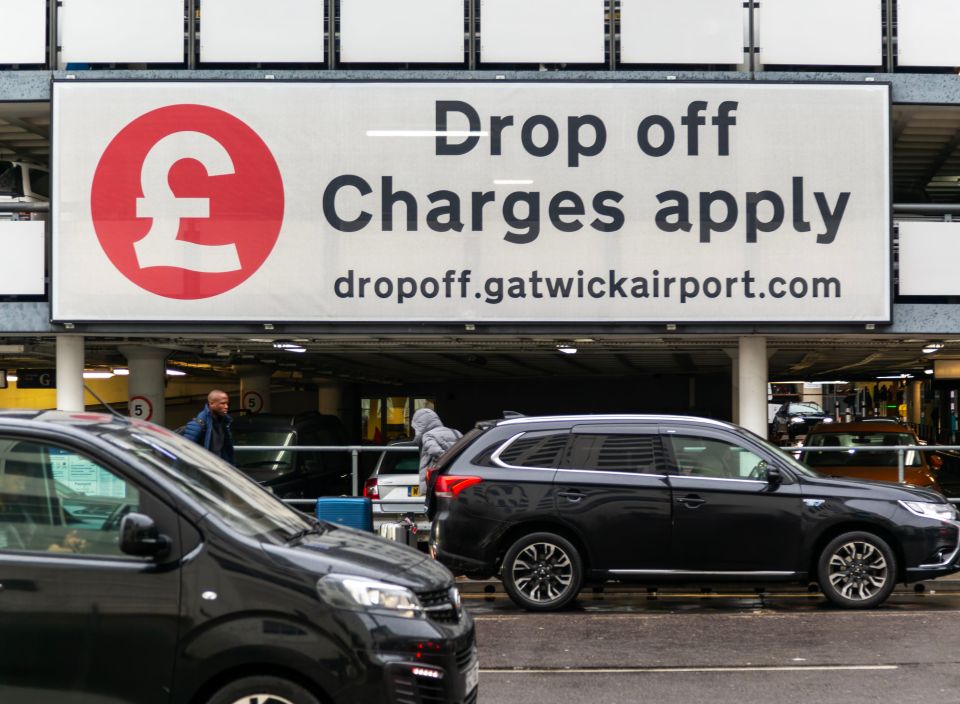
[[315, 528]]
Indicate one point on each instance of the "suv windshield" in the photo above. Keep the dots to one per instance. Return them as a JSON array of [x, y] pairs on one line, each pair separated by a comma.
[[805, 407], [11, 179], [213, 483], [265, 464]]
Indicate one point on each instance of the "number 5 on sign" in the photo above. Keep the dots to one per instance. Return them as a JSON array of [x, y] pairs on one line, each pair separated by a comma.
[[141, 408], [252, 402]]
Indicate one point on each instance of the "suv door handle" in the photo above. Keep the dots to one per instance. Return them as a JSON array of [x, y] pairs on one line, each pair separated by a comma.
[[691, 501], [572, 496]]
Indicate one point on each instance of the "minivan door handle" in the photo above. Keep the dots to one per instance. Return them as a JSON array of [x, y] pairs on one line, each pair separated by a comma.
[[573, 496], [691, 501]]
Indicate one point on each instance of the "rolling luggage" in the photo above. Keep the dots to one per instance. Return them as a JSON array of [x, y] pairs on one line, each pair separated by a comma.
[[353, 511], [401, 532]]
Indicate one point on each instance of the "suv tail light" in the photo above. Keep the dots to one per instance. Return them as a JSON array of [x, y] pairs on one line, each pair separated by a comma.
[[371, 489], [449, 485], [430, 471]]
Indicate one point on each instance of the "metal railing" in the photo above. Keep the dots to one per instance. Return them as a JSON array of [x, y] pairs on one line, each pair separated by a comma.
[[354, 451]]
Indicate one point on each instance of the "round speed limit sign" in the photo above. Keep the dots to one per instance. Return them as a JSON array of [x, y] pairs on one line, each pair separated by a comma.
[[252, 402], [141, 408]]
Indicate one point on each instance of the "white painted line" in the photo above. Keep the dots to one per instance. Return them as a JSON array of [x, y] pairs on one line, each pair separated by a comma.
[[426, 133], [644, 670]]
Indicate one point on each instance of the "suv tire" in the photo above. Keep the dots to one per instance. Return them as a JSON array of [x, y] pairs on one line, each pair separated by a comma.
[[857, 570], [542, 572], [263, 690]]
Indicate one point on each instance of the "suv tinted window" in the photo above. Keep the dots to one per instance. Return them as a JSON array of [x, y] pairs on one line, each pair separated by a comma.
[[535, 450], [707, 457], [616, 452]]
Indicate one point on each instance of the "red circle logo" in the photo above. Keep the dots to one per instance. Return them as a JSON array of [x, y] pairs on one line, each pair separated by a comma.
[[187, 201]]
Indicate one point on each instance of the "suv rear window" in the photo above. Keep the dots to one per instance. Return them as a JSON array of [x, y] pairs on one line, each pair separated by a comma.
[[535, 449]]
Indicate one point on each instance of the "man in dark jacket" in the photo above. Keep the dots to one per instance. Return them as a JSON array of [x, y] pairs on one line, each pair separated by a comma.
[[211, 427], [433, 438]]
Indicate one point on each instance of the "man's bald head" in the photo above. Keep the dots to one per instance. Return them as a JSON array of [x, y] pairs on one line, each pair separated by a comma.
[[219, 402]]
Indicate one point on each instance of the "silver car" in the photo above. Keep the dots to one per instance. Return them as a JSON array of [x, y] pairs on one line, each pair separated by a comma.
[[394, 488]]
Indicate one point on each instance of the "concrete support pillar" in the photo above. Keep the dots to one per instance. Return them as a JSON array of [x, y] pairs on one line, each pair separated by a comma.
[[752, 380], [734, 386], [254, 388], [147, 382], [915, 403], [70, 373]]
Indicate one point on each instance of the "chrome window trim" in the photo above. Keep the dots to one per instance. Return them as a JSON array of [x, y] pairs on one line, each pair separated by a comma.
[[717, 479], [711, 573], [610, 471], [495, 457]]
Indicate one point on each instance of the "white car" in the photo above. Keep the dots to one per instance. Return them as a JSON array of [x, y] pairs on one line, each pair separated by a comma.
[[394, 488]]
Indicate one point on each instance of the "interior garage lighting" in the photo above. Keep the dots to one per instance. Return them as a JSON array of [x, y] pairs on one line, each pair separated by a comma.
[[121, 371], [175, 372], [932, 347], [925, 371], [567, 349], [98, 375], [897, 376], [289, 347]]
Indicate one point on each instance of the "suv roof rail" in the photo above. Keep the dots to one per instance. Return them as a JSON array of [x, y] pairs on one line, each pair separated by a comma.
[[513, 414]]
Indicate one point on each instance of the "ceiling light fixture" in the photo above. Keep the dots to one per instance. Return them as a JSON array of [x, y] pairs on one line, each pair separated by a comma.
[[175, 372], [567, 349], [97, 375], [121, 371], [932, 347]]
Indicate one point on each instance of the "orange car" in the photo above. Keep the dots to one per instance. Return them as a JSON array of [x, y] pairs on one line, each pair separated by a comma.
[[858, 462]]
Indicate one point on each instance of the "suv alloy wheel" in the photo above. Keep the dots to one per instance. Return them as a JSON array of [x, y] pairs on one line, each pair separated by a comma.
[[542, 572], [857, 570]]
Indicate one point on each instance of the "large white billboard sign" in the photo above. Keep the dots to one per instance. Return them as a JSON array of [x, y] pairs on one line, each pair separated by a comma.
[[271, 202]]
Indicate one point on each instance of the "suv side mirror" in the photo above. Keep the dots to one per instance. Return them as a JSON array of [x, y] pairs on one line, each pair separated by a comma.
[[139, 536]]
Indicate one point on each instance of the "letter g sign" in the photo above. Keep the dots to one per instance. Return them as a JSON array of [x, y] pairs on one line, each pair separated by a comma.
[[187, 201]]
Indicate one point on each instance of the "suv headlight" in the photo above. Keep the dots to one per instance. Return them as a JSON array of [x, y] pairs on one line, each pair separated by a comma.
[[798, 419], [362, 594], [928, 509]]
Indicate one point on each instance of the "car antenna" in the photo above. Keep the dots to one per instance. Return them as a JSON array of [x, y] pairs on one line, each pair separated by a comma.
[[113, 411]]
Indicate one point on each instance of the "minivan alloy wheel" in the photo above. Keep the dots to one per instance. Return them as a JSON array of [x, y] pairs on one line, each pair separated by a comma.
[[857, 570], [542, 572]]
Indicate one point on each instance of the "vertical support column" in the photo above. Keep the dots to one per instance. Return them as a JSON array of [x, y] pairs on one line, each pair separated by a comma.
[[752, 377], [70, 373], [54, 35], [332, 34], [191, 34], [147, 382], [472, 35], [915, 403], [734, 386], [254, 388]]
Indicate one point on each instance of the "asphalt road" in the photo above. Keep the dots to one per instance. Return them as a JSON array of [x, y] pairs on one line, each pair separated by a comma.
[[687, 647]]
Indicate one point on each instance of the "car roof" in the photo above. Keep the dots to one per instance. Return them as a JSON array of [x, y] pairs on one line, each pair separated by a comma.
[[861, 427], [608, 418]]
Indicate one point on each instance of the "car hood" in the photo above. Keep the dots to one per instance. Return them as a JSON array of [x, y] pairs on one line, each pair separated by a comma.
[[343, 550], [870, 489]]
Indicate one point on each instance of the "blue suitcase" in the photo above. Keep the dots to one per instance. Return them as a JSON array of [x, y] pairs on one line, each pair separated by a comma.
[[353, 511]]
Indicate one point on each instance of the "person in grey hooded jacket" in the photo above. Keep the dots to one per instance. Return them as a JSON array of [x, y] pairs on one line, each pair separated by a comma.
[[433, 438]]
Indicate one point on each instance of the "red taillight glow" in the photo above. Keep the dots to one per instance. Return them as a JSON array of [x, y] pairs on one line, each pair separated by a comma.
[[370, 488], [430, 471], [450, 486]]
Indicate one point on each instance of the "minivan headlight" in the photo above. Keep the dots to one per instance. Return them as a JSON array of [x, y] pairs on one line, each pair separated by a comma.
[[362, 594], [928, 509]]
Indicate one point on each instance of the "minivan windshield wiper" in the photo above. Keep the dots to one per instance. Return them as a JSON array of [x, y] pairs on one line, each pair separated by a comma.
[[315, 528]]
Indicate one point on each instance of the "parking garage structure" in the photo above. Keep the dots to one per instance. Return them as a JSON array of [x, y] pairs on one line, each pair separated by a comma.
[[583, 215]]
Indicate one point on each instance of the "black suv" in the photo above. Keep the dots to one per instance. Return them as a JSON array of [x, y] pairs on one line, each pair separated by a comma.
[[554, 503], [292, 473], [139, 568]]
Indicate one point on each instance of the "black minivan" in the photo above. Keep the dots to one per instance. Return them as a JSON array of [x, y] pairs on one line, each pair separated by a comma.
[[555, 503], [138, 568]]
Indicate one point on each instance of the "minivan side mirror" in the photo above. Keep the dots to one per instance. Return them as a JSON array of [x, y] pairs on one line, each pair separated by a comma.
[[774, 476], [140, 537]]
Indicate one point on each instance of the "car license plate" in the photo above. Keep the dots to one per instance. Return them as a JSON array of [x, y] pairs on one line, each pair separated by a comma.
[[413, 491], [473, 676]]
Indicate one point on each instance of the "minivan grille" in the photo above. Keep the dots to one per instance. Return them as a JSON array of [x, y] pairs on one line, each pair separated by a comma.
[[439, 606]]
